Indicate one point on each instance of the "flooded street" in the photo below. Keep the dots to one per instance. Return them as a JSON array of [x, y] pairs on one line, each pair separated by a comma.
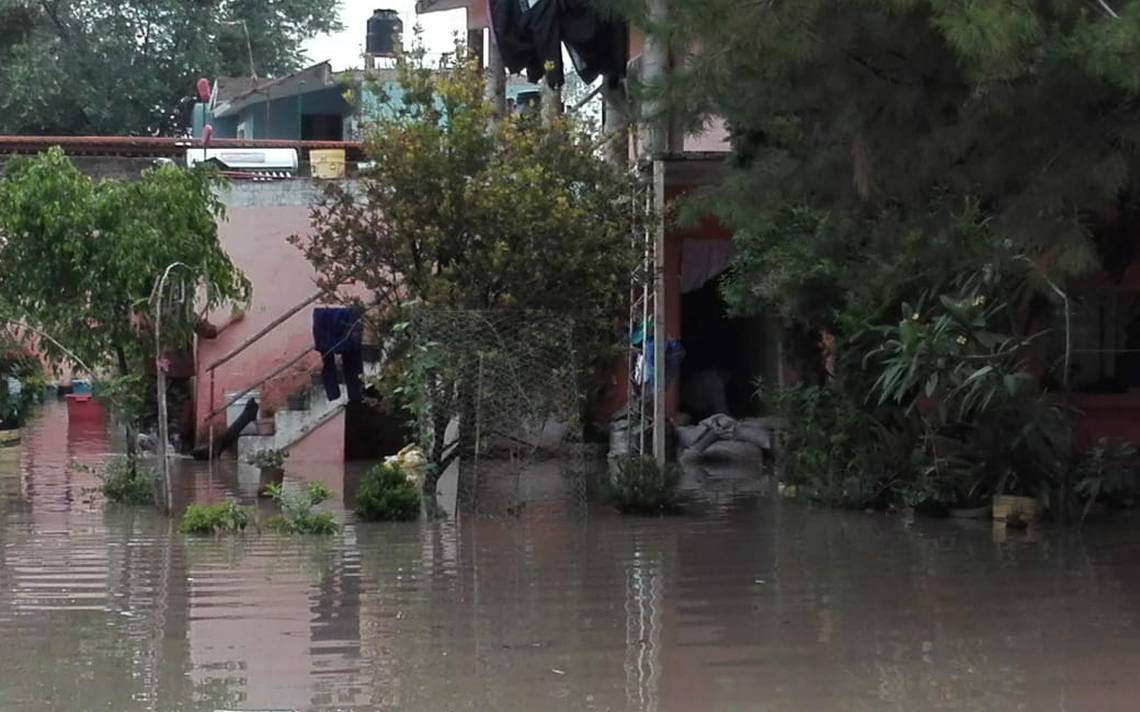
[[749, 604]]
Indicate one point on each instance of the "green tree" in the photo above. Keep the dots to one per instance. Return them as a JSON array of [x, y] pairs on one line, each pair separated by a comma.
[[886, 150], [116, 68], [461, 213], [886, 116], [79, 259]]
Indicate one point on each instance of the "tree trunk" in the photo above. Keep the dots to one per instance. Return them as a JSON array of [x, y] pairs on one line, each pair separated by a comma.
[[439, 422], [129, 424]]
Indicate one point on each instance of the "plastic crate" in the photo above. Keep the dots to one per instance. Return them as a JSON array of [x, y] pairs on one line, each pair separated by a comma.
[[83, 407]]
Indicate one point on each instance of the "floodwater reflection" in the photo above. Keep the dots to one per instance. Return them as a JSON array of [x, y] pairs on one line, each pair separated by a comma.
[[750, 603]]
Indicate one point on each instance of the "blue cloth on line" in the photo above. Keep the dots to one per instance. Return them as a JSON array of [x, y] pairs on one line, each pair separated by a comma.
[[337, 330]]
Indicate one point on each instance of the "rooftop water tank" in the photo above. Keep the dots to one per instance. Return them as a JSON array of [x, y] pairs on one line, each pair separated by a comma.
[[385, 33]]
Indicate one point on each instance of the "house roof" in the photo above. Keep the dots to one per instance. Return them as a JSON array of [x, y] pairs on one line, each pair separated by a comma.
[[234, 95], [423, 6], [226, 88]]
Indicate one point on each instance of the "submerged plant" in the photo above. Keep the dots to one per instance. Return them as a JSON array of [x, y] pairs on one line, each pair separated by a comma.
[[268, 459], [126, 481], [388, 493], [297, 515], [226, 517], [641, 486]]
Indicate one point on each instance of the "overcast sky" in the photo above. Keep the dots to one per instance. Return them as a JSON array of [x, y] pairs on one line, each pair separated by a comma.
[[345, 50]]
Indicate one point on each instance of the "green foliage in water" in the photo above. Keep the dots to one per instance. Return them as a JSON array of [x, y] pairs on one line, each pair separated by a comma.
[[226, 517], [18, 396], [268, 459], [297, 515], [387, 493], [126, 481], [1107, 470], [641, 486], [833, 450]]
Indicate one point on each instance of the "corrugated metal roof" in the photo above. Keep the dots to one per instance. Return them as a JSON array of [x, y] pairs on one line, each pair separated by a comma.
[[315, 78], [423, 6]]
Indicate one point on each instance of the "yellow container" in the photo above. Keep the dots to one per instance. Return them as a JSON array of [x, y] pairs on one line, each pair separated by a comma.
[[327, 164], [1007, 507]]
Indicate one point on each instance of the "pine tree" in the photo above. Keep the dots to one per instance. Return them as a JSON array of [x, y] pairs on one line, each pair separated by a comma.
[[890, 117]]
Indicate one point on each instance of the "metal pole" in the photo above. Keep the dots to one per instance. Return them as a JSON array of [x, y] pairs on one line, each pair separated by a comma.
[[655, 62], [660, 333], [210, 445], [160, 386], [478, 440]]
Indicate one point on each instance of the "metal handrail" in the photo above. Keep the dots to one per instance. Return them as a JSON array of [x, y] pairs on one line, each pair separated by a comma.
[[281, 369], [213, 368], [214, 412], [262, 333]]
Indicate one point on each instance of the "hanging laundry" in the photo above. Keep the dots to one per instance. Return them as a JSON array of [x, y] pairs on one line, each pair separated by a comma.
[[530, 35], [339, 331], [543, 22], [674, 355], [512, 36], [598, 43]]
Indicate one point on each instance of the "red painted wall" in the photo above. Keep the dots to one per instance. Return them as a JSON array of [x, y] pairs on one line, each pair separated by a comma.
[[616, 394]]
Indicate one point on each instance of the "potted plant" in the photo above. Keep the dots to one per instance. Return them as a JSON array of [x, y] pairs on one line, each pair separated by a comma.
[[272, 466], [298, 401]]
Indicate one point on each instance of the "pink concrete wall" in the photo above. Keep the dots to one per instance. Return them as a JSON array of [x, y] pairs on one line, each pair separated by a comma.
[[256, 238], [714, 138]]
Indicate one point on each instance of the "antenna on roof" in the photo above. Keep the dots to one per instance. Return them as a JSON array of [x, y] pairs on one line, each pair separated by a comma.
[[248, 44]]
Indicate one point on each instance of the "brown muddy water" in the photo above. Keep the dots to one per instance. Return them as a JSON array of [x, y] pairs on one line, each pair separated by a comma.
[[749, 603]]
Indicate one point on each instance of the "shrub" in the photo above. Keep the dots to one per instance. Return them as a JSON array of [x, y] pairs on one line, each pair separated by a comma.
[[126, 482], [268, 459], [222, 518], [834, 451], [297, 515], [640, 486], [388, 493], [1107, 470]]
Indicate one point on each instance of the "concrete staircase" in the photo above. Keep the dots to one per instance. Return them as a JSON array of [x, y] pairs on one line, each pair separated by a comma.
[[292, 426]]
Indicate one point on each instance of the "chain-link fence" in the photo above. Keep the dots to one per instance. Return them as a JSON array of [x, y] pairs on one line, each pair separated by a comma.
[[500, 401]]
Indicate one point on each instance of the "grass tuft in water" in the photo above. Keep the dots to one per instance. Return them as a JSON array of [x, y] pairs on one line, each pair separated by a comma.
[[222, 518], [387, 493], [123, 481], [640, 486], [297, 515]]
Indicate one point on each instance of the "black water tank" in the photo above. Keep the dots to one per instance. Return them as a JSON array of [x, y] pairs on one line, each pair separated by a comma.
[[385, 31]]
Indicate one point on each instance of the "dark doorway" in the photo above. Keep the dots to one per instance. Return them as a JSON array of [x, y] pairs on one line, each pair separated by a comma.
[[371, 433], [322, 127], [734, 349]]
